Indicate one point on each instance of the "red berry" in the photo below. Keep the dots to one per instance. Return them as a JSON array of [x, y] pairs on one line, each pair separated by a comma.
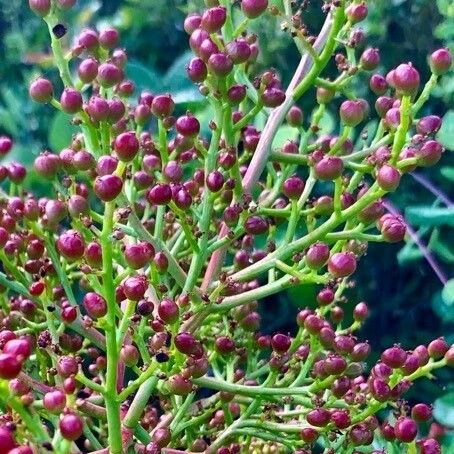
[[5, 145], [10, 366], [256, 225], [187, 125], [161, 194], [317, 256], [370, 59], [95, 305], [40, 7], [253, 8], [238, 50], [280, 343], [135, 288], [293, 187], [41, 90], [294, 116], [185, 343], [109, 38], [168, 311], [109, 75], [7, 442], [318, 417], [71, 426], [406, 79], [357, 12], [394, 357], [352, 112], [87, 70], [440, 61], [197, 70], [213, 19], [54, 401], [108, 187], [162, 106], [421, 412], [220, 64], [405, 429], [342, 264], [71, 100], [71, 245], [388, 178], [329, 168], [126, 146]]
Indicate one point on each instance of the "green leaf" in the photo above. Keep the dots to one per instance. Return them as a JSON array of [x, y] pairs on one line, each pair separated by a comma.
[[448, 293], [444, 409], [448, 172], [443, 310], [144, 78], [446, 133], [61, 131], [283, 135], [430, 216]]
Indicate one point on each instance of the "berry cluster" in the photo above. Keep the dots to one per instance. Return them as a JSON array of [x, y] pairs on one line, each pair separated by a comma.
[[130, 295]]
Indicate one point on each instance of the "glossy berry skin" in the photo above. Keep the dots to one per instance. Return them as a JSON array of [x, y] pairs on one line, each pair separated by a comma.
[[421, 412], [54, 401], [238, 50], [318, 417], [108, 187], [405, 429], [162, 106], [71, 245], [293, 187], [220, 64], [10, 366], [317, 256], [253, 8], [168, 311], [370, 59], [394, 357], [352, 112], [197, 70], [135, 288], [71, 426], [6, 440], [342, 264], [187, 126], [280, 343], [161, 194], [87, 70], [126, 146], [185, 343]]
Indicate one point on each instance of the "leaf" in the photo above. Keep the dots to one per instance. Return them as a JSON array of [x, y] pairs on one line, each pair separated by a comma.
[[444, 311], [448, 293], [61, 131], [327, 124], [283, 135], [444, 409], [448, 172], [430, 216], [144, 78], [446, 133]]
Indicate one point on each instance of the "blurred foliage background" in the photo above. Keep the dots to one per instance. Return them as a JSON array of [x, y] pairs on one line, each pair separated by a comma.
[[408, 301]]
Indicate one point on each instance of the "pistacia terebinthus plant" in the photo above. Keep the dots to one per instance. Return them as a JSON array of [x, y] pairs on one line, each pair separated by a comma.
[[130, 297]]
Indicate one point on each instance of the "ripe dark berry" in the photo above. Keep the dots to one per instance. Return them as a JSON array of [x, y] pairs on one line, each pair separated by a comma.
[[126, 146], [341, 419], [342, 264], [95, 305], [430, 153], [253, 8], [71, 245], [405, 429], [293, 187], [440, 61], [108, 187], [41, 90], [7, 442], [71, 426]]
